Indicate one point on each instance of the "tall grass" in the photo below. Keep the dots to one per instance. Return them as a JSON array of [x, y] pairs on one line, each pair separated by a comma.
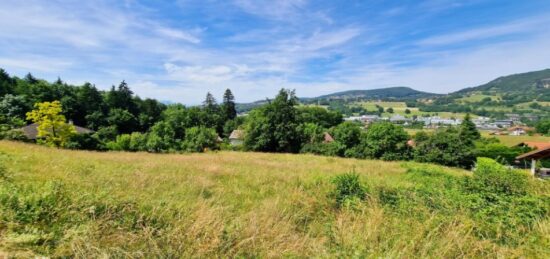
[[232, 204]]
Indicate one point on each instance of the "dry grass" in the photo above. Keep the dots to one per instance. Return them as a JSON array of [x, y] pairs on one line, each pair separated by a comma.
[[232, 204]]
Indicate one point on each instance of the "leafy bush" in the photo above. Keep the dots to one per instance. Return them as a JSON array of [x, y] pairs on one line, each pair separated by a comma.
[[387, 141], [348, 189], [499, 152], [327, 149], [492, 179], [84, 141], [445, 147], [197, 139]]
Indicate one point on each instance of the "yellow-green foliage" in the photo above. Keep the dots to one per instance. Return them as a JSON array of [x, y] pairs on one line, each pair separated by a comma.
[[53, 130], [232, 204]]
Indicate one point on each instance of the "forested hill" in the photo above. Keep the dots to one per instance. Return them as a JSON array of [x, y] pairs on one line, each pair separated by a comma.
[[398, 92], [536, 81]]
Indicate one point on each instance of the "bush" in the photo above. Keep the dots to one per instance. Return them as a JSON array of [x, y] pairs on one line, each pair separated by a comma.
[[348, 189], [445, 147], [325, 149], [197, 139], [492, 179], [84, 141], [387, 141]]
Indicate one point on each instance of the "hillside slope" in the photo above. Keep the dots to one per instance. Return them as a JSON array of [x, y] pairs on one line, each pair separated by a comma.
[[524, 82], [399, 92], [232, 204]]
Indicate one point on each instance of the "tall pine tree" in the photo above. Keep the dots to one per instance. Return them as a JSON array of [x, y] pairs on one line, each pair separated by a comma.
[[468, 131], [210, 104], [7, 84], [228, 106]]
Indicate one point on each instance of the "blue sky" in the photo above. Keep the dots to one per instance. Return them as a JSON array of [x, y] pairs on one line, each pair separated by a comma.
[[179, 50]]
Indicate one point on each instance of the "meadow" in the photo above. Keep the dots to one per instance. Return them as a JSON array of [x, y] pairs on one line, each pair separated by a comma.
[[400, 107], [56, 202]]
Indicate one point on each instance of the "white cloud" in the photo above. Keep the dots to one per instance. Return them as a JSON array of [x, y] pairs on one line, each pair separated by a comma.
[[178, 34], [515, 27]]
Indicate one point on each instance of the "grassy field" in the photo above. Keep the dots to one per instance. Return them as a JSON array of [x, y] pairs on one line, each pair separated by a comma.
[[514, 140], [232, 204], [400, 107], [505, 139]]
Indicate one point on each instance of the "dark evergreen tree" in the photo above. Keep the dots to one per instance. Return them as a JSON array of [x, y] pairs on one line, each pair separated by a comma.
[[228, 106], [210, 104], [7, 84], [122, 98], [468, 130], [29, 78]]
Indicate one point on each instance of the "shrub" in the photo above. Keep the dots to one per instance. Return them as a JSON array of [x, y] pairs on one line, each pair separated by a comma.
[[491, 178], [387, 141], [445, 147], [197, 139], [327, 149], [84, 141], [348, 188]]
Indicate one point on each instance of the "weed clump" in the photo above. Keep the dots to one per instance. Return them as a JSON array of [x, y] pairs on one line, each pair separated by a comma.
[[348, 189]]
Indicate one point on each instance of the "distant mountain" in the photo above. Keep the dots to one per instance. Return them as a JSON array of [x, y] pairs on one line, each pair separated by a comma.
[[537, 81], [398, 93]]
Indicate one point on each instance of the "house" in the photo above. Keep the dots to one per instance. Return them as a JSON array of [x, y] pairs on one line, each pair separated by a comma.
[[31, 131], [513, 117], [504, 123], [531, 117], [518, 130], [534, 156], [398, 119], [236, 138], [534, 144], [327, 138]]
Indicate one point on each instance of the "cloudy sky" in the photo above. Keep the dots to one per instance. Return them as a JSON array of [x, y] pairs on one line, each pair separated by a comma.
[[179, 50]]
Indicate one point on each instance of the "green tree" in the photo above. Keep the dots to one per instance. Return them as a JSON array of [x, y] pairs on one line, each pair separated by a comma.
[[228, 106], [387, 141], [347, 133], [210, 104], [543, 126], [320, 116], [53, 130], [122, 98], [7, 84], [468, 130], [389, 110], [198, 139], [273, 127], [407, 111], [445, 147], [123, 120]]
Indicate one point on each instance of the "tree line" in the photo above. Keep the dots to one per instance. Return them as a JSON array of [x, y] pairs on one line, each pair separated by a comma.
[[123, 121]]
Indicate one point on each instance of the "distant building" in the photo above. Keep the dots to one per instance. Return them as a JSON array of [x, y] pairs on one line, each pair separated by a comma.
[[399, 119], [534, 144], [518, 130], [31, 131], [544, 83], [504, 123], [531, 117], [236, 138], [363, 118], [514, 117]]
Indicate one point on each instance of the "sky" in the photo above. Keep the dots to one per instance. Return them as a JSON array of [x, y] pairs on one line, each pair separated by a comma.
[[177, 51]]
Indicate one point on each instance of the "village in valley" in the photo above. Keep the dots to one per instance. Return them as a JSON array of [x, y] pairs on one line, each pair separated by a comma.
[[275, 129]]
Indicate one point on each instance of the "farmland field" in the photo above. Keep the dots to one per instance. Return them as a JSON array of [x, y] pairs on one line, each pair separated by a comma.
[[228, 204]]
